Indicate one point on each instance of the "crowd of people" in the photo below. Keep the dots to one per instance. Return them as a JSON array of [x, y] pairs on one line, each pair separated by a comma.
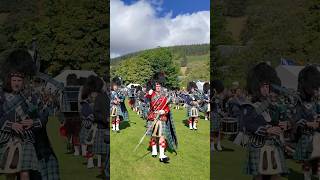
[[28, 98], [153, 103], [273, 123]]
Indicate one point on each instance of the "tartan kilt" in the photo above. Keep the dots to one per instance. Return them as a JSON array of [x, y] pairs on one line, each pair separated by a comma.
[[204, 108], [165, 133], [144, 110], [28, 160], [49, 170], [83, 134], [189, 111], [215, 123], [123, 114], [303, 148], [99, 145], [253, 160]]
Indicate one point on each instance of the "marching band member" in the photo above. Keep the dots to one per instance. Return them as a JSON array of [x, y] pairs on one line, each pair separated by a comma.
[[218, 90], [88, 95], [100, 109], [192, 100], [265, 148], [160, 121], [17, 119], [117, 105], [132, 97], [308, 127], [206, 104]]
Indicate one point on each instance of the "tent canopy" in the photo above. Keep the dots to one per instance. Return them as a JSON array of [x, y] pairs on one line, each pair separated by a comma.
[[62, 77]]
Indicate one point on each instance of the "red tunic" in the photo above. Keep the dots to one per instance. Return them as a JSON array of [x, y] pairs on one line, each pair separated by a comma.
[[157, 103]]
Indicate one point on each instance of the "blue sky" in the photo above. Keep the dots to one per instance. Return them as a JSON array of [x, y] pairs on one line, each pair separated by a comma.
[[178, 6], [137, 25]]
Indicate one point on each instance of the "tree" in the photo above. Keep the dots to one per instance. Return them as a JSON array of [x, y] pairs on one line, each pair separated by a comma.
[[71, 34]]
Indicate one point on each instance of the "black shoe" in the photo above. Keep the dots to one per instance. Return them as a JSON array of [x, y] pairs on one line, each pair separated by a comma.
[[154, 156], [118, 131], [164, 160]]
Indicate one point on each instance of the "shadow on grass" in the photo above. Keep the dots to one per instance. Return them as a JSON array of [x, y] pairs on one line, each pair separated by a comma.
[[124, 124], [185, 122]]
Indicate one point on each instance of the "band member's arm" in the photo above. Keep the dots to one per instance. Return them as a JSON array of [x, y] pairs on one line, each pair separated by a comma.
[[253, 123], [100, 110], [122, 98], [149, 94]]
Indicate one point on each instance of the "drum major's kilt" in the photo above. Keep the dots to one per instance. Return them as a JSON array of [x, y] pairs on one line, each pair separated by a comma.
[[49, 170], [28, 160], [253, 160], [303, 148], [165, 132], [99, 144]]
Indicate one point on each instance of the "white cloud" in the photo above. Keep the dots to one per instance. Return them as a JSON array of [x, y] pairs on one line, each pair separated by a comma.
[[136, 27]]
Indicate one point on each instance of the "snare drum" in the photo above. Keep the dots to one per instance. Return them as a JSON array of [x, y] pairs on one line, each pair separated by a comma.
[[194, 112], [229, 126], [114, 111]]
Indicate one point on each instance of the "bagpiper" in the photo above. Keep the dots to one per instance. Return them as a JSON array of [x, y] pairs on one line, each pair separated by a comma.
[[88, 94], [17, 119], [266, 143], [160, 121], [307, 149], [205, 108], [117, 104], [192, 99]]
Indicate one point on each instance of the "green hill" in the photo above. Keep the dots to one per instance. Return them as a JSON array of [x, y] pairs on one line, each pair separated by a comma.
[[193, 61]]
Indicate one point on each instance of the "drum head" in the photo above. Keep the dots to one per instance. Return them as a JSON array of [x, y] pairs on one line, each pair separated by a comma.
[[229, 126]]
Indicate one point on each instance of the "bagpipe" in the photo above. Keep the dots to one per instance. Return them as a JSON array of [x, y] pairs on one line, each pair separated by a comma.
[[11, 158]]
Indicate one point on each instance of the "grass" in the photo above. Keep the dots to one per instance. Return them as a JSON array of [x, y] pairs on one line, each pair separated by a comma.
[[232, 159], [71, 167], [198, 58], [191, 162]]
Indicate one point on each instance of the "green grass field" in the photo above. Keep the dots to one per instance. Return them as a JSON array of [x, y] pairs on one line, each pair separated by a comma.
[[191, 162], [229, 164], [71, 167]]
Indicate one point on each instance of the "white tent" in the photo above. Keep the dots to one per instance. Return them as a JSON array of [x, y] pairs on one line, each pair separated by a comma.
[[129, 86], [200, 85], [288, 75], [62, 77]]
